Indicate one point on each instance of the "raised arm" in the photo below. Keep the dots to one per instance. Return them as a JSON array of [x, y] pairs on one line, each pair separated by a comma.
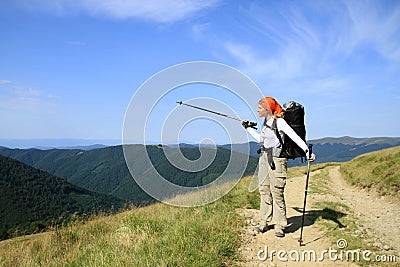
[[251, 130], [254, 133]]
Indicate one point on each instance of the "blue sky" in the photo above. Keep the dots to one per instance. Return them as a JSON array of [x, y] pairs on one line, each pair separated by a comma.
[[70, 68]]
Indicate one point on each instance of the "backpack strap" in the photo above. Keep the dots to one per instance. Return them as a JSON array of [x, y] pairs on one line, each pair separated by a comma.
[[275, 129]]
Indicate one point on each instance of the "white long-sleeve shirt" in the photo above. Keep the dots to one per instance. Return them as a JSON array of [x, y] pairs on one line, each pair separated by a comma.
[[268, 137]]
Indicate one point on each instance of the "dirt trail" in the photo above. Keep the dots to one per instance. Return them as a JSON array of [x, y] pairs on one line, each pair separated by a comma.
[[379, 216], [375, 214]]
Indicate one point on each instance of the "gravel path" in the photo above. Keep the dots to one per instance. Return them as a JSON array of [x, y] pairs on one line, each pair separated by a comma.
[[377, 217], [380, 216]]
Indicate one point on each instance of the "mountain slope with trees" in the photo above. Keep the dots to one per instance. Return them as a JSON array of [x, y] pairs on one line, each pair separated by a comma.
[[31, 199], [104, 170]]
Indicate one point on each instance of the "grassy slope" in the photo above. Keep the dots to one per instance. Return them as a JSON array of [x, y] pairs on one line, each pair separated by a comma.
[[156, 235], [379, 170]]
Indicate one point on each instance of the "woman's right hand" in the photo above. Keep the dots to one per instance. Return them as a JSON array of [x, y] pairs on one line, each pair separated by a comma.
[[245, 124]]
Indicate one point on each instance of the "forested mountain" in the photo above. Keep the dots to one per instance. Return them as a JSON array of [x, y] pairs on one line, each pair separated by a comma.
[[104, 170], [31, 199]]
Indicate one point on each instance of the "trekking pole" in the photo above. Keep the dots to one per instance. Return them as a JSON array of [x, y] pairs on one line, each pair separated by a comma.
[[251, 123], [305, 195]]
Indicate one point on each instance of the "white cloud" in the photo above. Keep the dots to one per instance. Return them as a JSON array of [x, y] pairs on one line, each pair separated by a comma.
[[288, 63], [161, 11], [288, 44], [375, 25], [319, 42], [25, 92], [331, 86], [249, 58], [199, 31], [15, 96]]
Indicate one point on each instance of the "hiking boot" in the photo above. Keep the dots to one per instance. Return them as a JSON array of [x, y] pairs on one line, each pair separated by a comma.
[[278, 231], [261, 228]]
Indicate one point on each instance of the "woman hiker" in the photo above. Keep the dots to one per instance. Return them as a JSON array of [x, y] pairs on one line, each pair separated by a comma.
[[272, 169]]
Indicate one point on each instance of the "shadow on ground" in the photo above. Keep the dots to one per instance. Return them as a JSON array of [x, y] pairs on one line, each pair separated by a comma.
[[294, 222]]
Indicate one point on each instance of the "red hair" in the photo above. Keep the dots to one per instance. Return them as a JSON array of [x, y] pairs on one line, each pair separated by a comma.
[[270, 104]]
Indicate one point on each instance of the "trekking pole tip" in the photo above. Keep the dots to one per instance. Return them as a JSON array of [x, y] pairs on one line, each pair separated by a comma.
[[179, 102]]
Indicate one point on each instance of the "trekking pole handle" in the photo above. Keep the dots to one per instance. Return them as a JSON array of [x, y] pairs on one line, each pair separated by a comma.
[[250, 124], [253, 124], [310, 154], [309, 150]]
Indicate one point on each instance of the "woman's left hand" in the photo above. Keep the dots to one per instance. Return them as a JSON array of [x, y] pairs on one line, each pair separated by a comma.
[[311, 157]]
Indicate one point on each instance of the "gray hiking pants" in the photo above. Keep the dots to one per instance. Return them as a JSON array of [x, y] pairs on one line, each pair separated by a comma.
[[272, 184]]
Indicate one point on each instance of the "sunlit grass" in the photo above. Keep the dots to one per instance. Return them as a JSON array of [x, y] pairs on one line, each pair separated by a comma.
[[156, 235], [379, 170]]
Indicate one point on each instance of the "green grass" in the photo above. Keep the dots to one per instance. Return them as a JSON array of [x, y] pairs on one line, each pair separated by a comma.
[[318, 180], [379, 170], [302, 170], [156, 235]]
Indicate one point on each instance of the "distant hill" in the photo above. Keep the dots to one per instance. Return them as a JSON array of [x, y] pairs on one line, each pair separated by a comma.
[[57, 143], [90, 147], [347, 140], [31, 199], [332, 149], [346, 148], [104, 170]]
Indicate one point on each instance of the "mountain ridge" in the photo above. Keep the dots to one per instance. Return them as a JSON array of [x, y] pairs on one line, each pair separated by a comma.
[[357, 140], [330, 149], [89, 144]]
